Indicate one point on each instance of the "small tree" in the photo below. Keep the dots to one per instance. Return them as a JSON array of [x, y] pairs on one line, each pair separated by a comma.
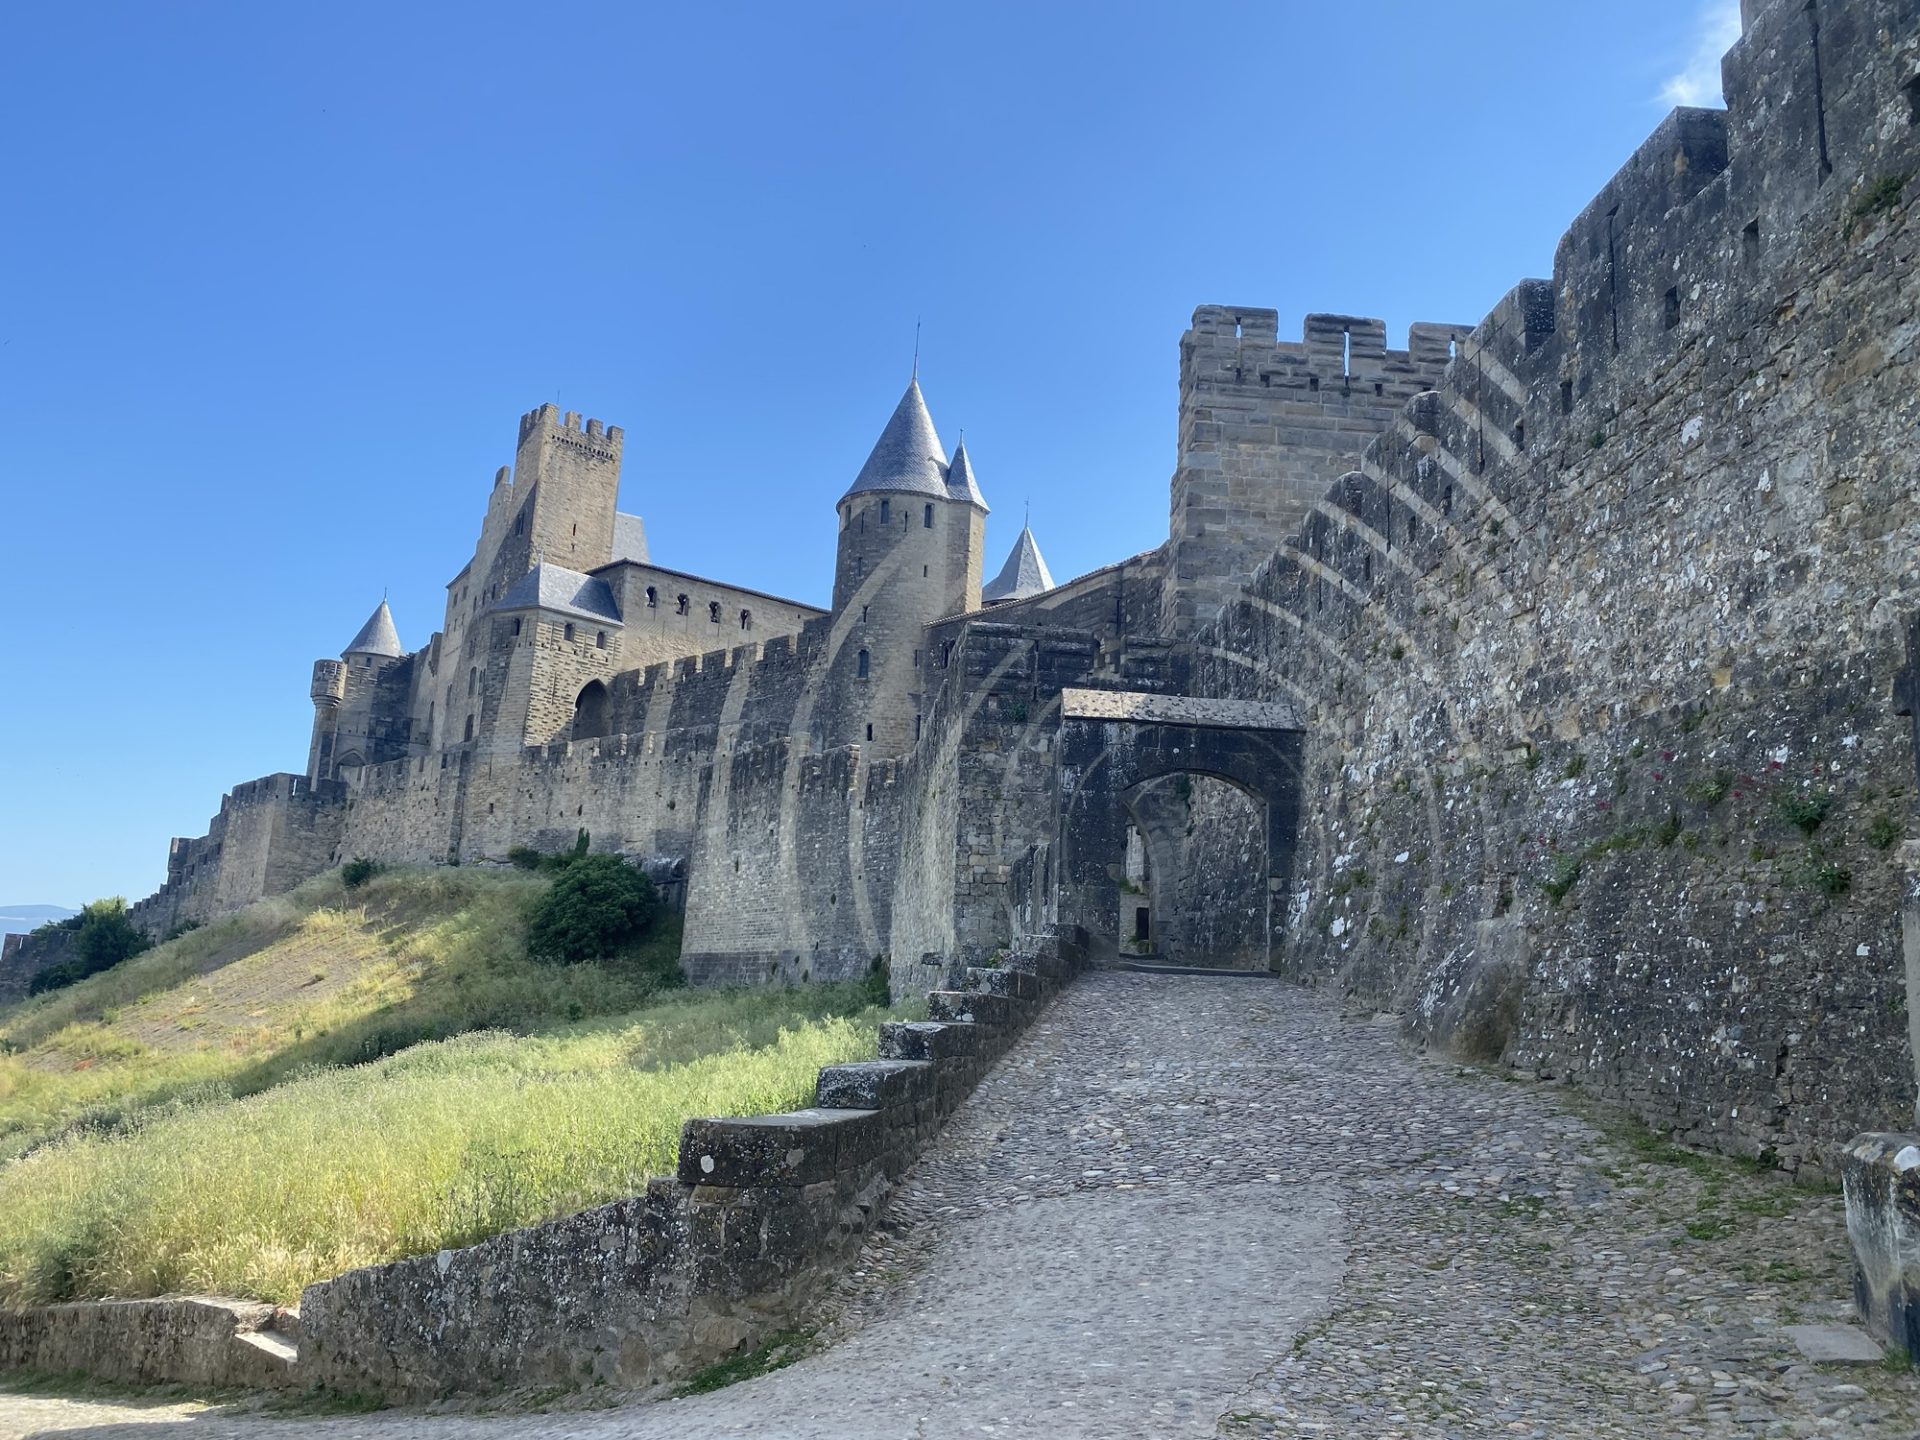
[[103, 936], [598, 904]]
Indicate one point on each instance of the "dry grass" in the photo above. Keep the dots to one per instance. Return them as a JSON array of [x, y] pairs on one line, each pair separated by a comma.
[[332, 1079]]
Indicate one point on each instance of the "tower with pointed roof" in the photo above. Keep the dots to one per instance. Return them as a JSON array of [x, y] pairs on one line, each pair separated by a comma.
[[343, 692], [1023, 576], [912, 527]]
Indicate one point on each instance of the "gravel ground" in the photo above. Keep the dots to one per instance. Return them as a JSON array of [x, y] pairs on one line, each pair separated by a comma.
[[1194, 1206]]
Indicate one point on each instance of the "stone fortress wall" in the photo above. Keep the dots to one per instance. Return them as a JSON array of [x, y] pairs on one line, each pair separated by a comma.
[[1584, 612], [1598, 640]]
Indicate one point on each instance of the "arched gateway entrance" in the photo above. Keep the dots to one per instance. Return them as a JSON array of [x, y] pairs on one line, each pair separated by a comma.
[[1177, 823]]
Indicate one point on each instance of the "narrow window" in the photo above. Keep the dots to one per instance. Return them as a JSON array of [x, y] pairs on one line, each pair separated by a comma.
[[863, 614], [916, 659], [859, 564], [713, 611], [1673, 307], [516, 624], [473, 678], [869, 730], [923, 572], [600, 641], [746, 619], [680, 605], [1519, 434], [1750, 242], [886, 512], [946, 654], [1566, 397], [1313, 382], [653, 597], [568, 636], [469, 727], [916, 727], [926, 518], [866, 664]]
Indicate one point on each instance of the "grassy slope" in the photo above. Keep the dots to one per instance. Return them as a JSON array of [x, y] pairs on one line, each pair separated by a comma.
[[199, 1119]]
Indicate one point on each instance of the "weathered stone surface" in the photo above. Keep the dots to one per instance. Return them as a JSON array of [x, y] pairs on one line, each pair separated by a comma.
[[1882, 1180]]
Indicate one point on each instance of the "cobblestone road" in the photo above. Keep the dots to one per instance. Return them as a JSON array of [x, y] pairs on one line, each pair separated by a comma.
[[1193, 1206]]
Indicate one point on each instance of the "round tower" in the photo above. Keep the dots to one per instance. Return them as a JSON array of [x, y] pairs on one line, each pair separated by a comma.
[[911, 527]]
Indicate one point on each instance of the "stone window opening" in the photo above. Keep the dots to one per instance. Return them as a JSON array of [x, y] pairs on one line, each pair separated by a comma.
[[863, 614], [869, 730], [1750, 235], [923, 572], [886, 512], [653, 597], [600, 641], [746, 619], [1519, 434], [516, 624], [946, 654], [469, 734], [865, 665], [926, 517], [567, 634], [1671, 307], [916, 659], [916, 727], [681, 605], [1566, 397], [473, 678], [713, 611]]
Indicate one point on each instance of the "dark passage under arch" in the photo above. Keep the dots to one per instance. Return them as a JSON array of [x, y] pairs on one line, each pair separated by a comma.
[[592, 712]]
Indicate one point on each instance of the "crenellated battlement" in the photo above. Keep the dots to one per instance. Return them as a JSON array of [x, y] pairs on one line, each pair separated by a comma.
[[549, 417]]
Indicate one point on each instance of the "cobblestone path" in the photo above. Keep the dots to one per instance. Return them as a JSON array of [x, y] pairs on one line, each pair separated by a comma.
[[1194, 1206]]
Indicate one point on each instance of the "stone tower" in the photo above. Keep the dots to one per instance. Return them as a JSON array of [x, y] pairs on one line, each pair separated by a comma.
[[342, 694], [912, 527]]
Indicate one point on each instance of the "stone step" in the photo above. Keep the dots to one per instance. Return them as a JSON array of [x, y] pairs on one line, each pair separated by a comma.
[[927, 1040], [1016, 984], [801, 1147], [972, 1006], [874, 1084], [271, 1344]]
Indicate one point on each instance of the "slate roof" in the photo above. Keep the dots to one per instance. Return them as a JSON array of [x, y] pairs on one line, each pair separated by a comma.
[[377, 636], [1024, 575], [563, 591], [960, 482], [908, 455], [629, 538]]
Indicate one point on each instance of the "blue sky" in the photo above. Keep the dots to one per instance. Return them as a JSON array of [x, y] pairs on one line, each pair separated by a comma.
[[279, 282]]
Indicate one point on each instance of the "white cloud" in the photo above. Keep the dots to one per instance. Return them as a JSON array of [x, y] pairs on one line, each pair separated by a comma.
[[1698, 83]]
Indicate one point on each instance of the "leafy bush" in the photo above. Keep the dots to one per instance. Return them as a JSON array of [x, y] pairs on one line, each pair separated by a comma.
[[598, 905], [356, 873], [103, 937], [525, 857], [1806, 811]]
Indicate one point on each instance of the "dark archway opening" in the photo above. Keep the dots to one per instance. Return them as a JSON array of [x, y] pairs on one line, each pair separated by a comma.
[[592, 712]]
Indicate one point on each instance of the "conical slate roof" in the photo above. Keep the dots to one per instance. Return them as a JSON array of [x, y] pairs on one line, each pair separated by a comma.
[[960, 482], [1024, 575], [377, 636], [908, 455]]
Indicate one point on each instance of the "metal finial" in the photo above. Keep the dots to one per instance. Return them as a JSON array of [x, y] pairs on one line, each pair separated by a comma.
[[916, 347]]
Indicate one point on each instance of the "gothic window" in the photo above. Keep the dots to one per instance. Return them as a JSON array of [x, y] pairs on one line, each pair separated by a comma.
[[680, 605], [926, 518], [713, 611], [653, 597], [516, 624], [746, 619], [600, 641], [886, 512], [567, 634], [865, 665]]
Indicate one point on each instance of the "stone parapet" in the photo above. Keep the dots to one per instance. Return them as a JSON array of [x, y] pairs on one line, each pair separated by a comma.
[[1881, 1173]]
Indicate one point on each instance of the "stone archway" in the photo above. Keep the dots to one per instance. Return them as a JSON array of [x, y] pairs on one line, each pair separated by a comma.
[[1123, 758], [592, 709]]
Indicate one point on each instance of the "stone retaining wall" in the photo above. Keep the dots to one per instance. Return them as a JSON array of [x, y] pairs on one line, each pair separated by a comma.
[[762, 1212]]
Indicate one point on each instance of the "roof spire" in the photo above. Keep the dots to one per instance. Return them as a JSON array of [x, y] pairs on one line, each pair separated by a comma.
[[1024, 575], [377, 636], [960, 482], [908, 455]]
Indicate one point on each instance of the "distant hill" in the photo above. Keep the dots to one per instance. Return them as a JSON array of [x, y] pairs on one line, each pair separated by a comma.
[[18, 919]]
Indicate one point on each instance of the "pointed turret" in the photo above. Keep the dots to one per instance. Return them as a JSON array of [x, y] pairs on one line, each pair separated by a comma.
[[377, 636], [908, 455], [960, 482], [1023, 576]]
